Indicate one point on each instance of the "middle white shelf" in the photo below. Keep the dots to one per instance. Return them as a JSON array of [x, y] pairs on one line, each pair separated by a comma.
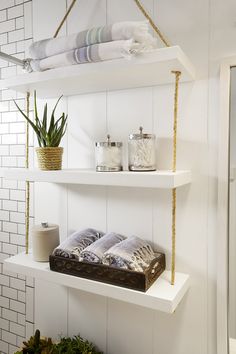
[[156, 179]]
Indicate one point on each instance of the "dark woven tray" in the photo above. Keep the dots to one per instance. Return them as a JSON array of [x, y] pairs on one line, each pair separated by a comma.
[[111, 275]]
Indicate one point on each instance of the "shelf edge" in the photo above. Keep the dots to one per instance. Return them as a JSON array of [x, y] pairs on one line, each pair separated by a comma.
[[98, 288]]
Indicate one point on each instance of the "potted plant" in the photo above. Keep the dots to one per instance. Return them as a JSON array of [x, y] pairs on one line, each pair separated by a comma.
[[49, 135], [37, 345], [74, 345]]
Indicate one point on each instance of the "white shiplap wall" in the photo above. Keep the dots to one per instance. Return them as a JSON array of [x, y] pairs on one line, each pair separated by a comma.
[[232, 225], [206, 31], [118, 327]]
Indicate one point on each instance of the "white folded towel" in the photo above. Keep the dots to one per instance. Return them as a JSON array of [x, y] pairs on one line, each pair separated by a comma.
[[138, 31], [75, 243], [92, 53], [96, 250], [133, 253]]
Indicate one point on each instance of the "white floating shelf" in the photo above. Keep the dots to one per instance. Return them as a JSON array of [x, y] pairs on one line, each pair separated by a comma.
[[157, 179], [161, 296], [146, 69]]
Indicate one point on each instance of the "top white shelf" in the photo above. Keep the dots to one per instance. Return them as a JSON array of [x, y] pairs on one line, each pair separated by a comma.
[[147, 69]]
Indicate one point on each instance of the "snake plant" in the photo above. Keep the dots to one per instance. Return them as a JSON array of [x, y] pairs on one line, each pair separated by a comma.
[[49, 133]]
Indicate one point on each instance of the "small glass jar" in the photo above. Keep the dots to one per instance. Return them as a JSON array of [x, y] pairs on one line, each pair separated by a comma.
[[108, 156], [142, 152]]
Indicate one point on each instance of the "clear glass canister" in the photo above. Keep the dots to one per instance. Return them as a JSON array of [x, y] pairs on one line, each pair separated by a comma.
[[108, 156], [142, 152]]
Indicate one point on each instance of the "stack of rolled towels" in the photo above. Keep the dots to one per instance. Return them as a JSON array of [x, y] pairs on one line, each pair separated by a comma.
[[121, 39], [111, 249]]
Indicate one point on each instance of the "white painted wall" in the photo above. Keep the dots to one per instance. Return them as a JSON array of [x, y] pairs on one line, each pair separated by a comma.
[[206, 31], [232, 221]]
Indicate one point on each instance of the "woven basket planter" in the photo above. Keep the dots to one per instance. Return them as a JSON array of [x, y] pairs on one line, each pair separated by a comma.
[[49, 158]]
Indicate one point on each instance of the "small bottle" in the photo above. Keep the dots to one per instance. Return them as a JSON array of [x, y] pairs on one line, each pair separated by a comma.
[[108, 156], [142, 151]]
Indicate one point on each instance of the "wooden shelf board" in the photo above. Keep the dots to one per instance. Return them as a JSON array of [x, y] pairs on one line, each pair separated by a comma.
[[161, 296], [156, 179], [146, 69]]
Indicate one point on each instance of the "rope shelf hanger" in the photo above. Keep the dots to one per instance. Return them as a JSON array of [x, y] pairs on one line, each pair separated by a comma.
[[174, 205], [27, 189], [140, 7], [64, 18], [176, 95], [153, 25]]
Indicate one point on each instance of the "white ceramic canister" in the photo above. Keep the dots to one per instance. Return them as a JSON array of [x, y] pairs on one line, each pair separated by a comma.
[[45, 238], [108, 156]]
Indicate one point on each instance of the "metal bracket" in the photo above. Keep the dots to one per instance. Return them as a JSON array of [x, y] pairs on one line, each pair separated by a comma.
[[25, 63]]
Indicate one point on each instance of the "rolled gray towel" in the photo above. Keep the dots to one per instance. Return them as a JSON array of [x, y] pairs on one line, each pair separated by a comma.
[[75, 243], [96, 250], [92, 53], [136, 30], [133, 253]]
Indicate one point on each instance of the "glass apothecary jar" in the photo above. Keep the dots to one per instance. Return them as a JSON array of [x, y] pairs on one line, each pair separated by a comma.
[[108, 156], [142, 151]]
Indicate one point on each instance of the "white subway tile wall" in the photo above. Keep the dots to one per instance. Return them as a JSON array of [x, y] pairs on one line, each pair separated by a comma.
[[16, 292]]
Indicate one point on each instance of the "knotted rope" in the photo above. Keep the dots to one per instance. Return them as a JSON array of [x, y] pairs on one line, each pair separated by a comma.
[[27, 187], [173, 247], [64, 18], [148, 17]]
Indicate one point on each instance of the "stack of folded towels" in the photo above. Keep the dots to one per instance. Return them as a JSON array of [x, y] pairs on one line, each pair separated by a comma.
[[112, 249], [122, 39]]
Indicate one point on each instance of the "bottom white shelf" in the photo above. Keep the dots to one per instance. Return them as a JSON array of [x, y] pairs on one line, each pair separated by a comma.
[[161, 296]]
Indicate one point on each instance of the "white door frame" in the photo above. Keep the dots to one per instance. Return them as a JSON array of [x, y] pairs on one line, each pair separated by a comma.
[[223, 200]]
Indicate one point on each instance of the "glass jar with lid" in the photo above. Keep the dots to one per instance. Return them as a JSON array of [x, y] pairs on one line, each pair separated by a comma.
[[142, 151], [108, 156]]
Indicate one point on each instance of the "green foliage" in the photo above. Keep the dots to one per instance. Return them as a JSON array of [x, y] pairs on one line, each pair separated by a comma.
[[75, 345], [37, 345], [49, 134]]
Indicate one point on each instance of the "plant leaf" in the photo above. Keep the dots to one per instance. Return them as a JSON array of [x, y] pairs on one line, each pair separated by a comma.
[[52, 122], [28, 120], [45, 115], [52, 136], [59, 132], [35, 106]]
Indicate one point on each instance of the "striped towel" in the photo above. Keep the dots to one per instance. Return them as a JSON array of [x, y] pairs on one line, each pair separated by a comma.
[[133, 253], [96, 250], [75, 243], [138, 31], [92, 53]]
